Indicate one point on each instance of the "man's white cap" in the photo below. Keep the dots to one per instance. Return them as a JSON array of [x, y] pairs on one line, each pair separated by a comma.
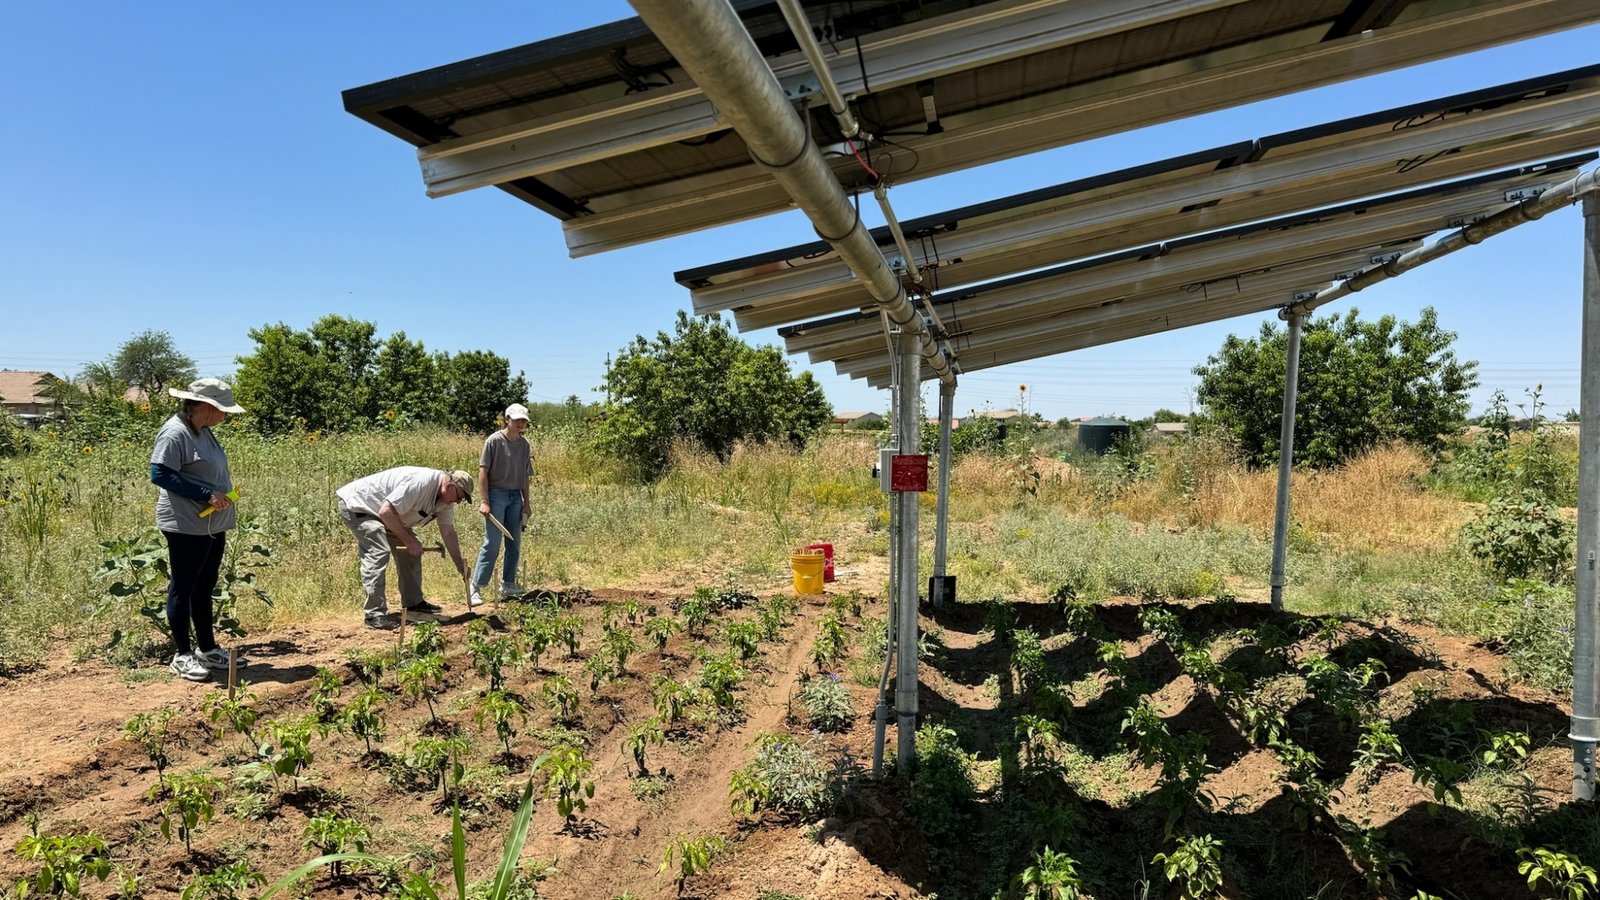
[[516, 411]]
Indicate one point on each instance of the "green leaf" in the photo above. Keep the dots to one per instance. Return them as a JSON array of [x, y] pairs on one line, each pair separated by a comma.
[[506, 875], [331, 858], [458, 852]]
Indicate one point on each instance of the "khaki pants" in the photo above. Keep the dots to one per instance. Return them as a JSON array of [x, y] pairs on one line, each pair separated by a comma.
[[375, 545]]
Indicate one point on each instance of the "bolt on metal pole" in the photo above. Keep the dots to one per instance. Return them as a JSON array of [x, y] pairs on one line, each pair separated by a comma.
[[1280, 527], [1585, 669], [905, 556]]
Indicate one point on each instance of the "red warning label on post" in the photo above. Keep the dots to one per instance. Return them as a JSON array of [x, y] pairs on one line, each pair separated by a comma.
[[908, 472]]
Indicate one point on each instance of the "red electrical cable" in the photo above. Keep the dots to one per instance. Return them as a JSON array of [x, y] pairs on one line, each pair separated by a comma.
[[857, 154]]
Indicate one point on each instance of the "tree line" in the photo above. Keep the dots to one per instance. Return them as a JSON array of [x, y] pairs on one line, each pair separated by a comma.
[[1362, 383]]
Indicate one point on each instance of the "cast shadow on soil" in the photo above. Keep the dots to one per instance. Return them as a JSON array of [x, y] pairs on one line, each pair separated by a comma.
[[1270, 849], [262, 663]]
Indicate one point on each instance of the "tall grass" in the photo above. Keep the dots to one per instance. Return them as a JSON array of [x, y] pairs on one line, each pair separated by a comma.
[[1182, 520]]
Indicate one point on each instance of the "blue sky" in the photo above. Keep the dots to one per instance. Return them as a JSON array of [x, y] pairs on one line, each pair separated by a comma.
[[190, 168]]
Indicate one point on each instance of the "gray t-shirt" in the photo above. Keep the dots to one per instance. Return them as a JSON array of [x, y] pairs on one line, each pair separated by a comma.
[[509, 461], [413, 491], [199, 458]]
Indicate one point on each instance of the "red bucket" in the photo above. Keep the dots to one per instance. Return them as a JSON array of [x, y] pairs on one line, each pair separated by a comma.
[[827, 559]]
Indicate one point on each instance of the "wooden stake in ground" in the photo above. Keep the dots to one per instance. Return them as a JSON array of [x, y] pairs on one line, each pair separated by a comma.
[[401, 640], [233, 671]]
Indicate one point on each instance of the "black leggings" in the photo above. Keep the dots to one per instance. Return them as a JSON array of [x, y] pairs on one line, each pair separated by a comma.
[[195, 560]]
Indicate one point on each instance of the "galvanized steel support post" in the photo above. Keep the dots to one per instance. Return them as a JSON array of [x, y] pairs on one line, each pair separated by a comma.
[[909, 422], [1280, 526], [1585, 668], [709, 41], [941, 587]]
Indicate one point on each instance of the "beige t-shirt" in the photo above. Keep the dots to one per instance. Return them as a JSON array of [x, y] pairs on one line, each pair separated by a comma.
[[413, 491]]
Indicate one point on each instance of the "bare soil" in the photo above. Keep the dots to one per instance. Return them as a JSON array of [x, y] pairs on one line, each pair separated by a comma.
[[62, 759]]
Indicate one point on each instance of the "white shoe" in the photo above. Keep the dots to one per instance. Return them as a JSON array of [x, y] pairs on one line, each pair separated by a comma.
[[187, 666], [217, 658], [475, 599], [509, 588]]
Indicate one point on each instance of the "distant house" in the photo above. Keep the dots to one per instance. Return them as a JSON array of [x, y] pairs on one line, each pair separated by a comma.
[[1002, 417], [24, 394], [1164, 430], [853, 419]]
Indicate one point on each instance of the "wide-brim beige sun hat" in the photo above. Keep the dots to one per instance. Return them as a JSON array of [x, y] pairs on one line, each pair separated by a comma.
[[214, 391]]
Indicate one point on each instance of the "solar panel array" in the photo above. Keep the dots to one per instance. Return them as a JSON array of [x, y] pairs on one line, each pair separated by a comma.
[[601, 129]]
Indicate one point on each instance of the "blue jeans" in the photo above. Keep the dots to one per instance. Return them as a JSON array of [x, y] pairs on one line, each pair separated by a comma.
[[507, 507]]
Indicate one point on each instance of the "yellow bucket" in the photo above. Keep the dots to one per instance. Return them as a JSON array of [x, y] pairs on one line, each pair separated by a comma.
[[807, 567]]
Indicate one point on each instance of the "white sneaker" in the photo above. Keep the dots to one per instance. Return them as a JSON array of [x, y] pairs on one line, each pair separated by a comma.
[[509, 588], [217, 658], [475, 599], [187, 666]]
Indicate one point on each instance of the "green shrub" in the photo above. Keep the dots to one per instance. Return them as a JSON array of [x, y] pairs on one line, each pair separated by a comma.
[[232, 881], [190, 802], [943, 800], [64, 861], [685, 858], [333, 833], [1052, 876], [827, 703], [1522, 536], [1194, 867], [1532, 622], [789, 778]]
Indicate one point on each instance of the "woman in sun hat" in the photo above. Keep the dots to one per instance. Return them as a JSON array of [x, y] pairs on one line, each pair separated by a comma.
[[190, 468]]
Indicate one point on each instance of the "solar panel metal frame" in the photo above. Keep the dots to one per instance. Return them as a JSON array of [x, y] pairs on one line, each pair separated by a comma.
[[639, 139], [1109, 298], [1463, 134]]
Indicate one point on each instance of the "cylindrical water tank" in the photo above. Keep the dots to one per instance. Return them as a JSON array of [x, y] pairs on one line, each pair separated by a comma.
[[1099, 435]]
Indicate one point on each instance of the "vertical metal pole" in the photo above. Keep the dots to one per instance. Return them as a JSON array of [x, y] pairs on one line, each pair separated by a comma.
[[1280, 527], [905, 558], [941, 525], [1585, 672]]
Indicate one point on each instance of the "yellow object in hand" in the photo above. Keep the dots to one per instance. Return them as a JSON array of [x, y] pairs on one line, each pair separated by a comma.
[[231, 495]]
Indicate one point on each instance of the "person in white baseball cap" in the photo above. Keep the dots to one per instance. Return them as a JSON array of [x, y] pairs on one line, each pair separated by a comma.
[[504, 471]]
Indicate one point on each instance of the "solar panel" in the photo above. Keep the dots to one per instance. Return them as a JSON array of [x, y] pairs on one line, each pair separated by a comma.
[[1382, 152], [1153, 288], [603, 131]]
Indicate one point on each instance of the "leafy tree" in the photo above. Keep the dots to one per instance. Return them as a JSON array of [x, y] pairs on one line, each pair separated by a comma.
[[285, 380], [1361, 384], [1166, 415], [407, 382], [703, 386], [349, 348], [150, 360], [476, 386], [337, 375]]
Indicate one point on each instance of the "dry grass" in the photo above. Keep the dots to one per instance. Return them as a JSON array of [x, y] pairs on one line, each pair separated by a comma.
[[707, 519], [1374, 502]]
